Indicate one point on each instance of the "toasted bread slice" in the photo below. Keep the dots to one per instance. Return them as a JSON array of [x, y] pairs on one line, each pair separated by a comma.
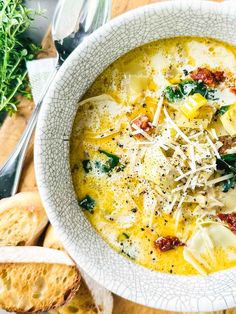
[[91, 297], [81, 303], [36, 279], [22, 219], [51, 240]]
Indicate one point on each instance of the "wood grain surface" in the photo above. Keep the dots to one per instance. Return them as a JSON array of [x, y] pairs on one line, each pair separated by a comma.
[[12, 129]]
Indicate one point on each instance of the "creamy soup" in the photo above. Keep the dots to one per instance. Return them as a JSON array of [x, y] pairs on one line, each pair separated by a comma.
[[153, 155]]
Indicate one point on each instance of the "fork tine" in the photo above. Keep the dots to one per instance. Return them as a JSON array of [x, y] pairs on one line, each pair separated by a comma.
[[100, 14], [83, 15], [58, 23]]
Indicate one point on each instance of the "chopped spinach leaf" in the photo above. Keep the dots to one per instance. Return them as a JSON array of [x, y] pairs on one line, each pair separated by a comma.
[[102, 167], [173, 93], [191, 87], [115, 159], [222, 110], [229, 158], [186, 88], [211, 94], [228, 184], [87, 165], [110, 164], [228, 164], [88, 203]]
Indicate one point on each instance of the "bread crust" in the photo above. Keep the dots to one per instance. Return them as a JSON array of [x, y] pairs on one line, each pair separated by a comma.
[[96, 299], [25, 216], [33, 287]]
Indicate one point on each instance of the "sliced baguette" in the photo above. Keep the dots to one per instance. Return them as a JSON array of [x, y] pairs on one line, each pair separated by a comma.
[[51, 240], [36, 279], [91, 297], [22, 219], [81, 303]]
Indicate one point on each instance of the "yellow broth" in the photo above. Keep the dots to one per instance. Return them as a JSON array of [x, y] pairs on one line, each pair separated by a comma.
[[133, 203]]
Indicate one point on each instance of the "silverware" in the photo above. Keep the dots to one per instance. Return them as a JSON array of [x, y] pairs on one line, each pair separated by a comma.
[[90, 15]]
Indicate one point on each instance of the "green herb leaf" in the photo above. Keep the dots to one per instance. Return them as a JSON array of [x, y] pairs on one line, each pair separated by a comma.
[[110, 164], [173, 93], [211, 94], [228, 164], [88, 203], [228, 184], [87, 165], [186, 88], [222, 110], [15, 50], [190, 87], [229, 158]]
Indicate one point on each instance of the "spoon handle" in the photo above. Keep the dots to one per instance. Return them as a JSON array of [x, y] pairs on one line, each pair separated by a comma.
[[11, 170]]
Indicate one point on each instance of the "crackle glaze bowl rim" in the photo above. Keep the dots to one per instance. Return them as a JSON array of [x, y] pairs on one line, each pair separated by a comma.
[[90, 252]]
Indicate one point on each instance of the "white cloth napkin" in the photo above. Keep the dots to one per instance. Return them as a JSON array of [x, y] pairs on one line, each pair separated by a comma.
[[39, 72]]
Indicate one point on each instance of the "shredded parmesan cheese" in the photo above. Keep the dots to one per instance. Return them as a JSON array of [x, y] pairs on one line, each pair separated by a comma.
[[140, 131], [181, 153], [220, 179], [170, 207], [213, 146], [177, 129], [195, 135], [133, 158], [197, 170], [158, 111], [188, 182], [192, 156], [213, 134]]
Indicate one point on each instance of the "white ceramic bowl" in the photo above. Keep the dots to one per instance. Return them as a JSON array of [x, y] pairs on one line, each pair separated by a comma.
[[116, 273]]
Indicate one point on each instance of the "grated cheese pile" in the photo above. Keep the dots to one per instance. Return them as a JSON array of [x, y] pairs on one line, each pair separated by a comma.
[[187, 156]]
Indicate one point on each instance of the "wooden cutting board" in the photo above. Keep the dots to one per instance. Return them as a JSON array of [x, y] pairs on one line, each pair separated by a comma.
[[13, 127]]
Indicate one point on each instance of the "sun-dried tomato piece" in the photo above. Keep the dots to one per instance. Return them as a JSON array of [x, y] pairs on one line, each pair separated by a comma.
[[233, 90], [167, 243], [219, 76], [143, 123], [208, 77], [228, 142], [229, 219]]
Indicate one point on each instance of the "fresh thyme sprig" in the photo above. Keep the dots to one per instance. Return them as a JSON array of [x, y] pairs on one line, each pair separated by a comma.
[[15, 50]]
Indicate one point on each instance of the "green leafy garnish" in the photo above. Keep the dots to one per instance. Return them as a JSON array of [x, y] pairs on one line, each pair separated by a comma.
[[229, 184], [222, 110], [174, 93], [106, 167], [15, 50], [87, 165], [110, 164], [88, 203], [228, 164], [229, 158]]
